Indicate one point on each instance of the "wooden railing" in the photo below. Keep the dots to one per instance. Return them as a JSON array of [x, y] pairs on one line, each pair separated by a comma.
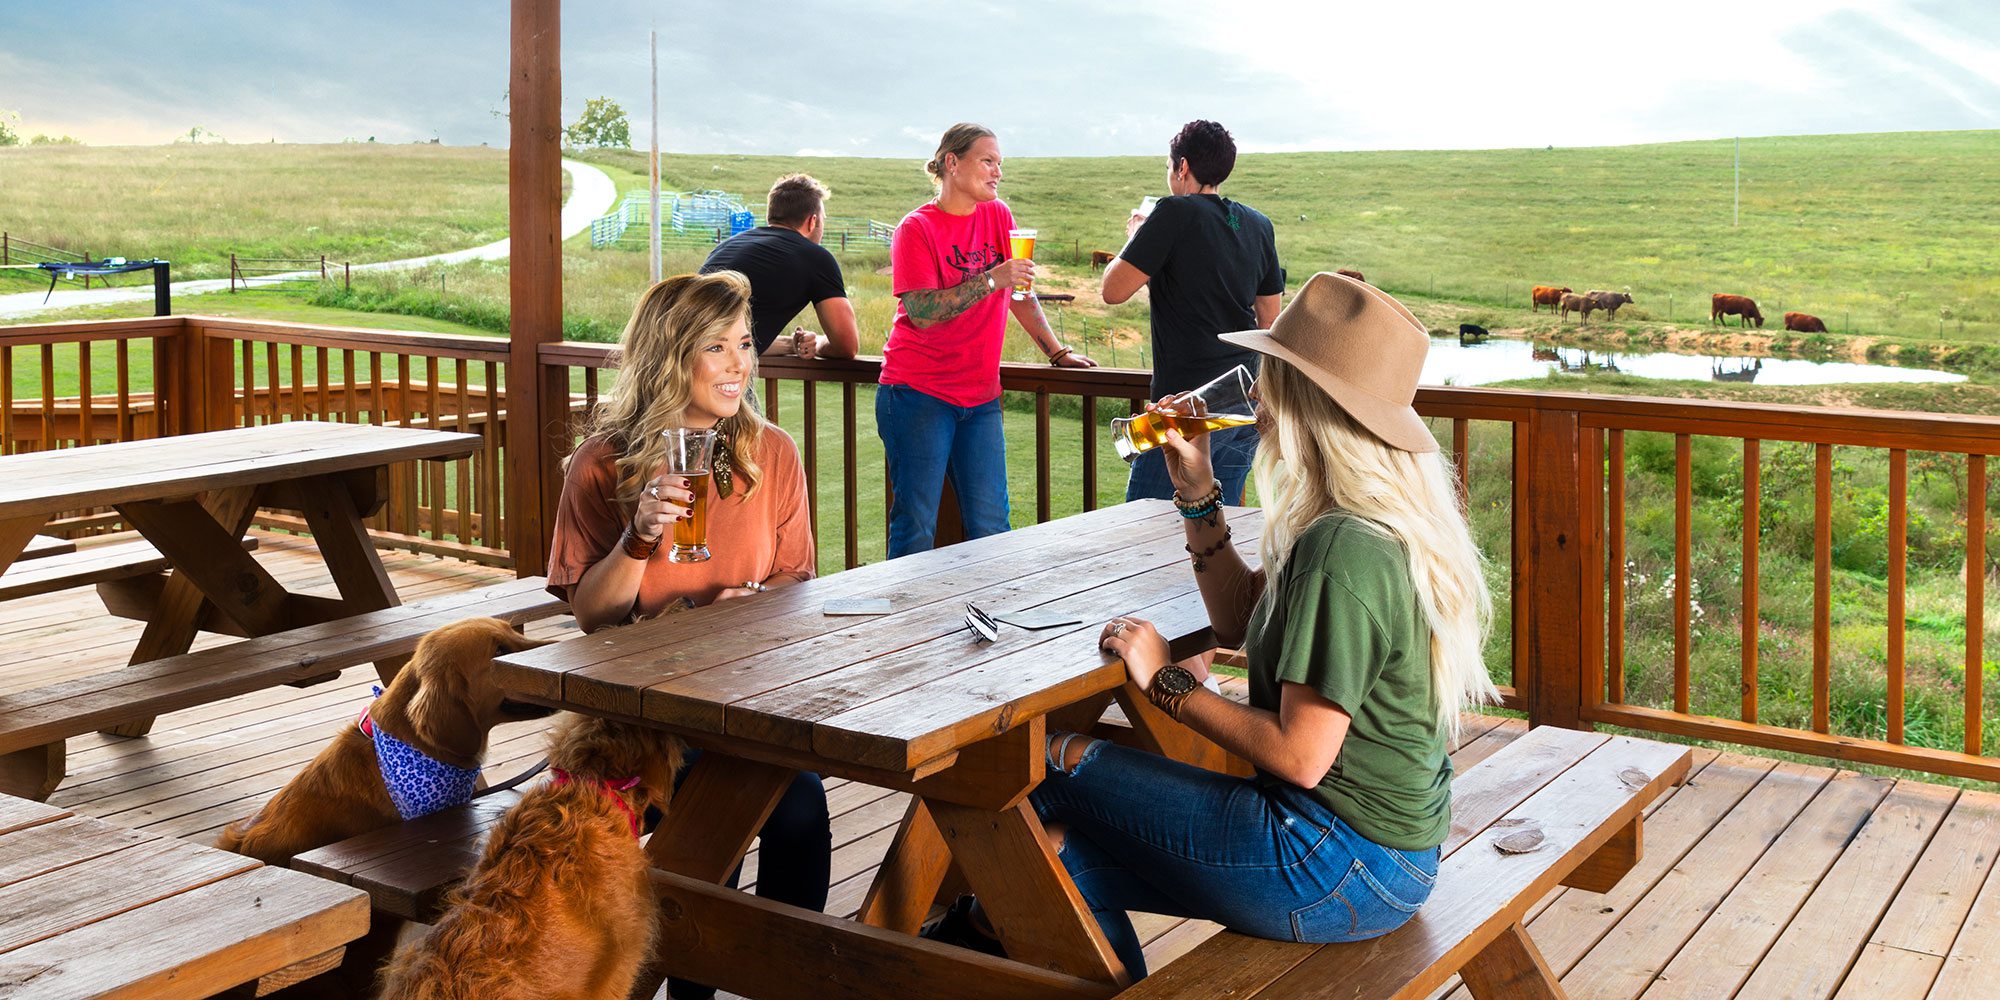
[[1574, 497], [175, 375]]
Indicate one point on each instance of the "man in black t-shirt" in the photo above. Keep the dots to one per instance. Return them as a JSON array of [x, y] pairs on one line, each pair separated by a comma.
[[1213, 268], [788, 268]]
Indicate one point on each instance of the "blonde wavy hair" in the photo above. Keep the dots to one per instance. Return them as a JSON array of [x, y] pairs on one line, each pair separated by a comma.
[[1314, 460], [957, 141], [672, 321]]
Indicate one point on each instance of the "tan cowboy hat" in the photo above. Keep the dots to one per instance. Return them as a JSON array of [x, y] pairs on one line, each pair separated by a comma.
[[1360, 346]]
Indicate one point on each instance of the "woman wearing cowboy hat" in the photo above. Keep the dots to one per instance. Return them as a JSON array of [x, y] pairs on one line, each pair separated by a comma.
[[1362, 630]]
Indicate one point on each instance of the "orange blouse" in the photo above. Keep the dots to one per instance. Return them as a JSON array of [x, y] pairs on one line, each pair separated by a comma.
[[749, 538]]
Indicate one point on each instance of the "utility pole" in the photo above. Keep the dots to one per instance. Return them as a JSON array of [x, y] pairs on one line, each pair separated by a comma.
[[1736, 217], [654, 231]]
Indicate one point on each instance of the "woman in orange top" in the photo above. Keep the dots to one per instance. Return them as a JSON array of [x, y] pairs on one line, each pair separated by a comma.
[[687, 356]]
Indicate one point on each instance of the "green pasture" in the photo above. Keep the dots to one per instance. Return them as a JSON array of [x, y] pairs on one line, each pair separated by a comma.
[[196, 204]]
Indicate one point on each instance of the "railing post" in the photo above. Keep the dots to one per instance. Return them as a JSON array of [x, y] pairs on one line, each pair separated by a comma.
[[537, 397], [1552, 516]]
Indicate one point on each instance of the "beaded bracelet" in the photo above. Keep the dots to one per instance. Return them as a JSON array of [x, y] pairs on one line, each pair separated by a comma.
[[1201, 555], [1209, 500], [1204, 508], [636, 547]]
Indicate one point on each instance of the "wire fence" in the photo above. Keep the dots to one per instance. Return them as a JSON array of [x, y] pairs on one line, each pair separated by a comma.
[[248, 273]]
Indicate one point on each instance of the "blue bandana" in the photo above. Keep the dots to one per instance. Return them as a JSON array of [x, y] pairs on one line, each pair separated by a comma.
[[417, 784]]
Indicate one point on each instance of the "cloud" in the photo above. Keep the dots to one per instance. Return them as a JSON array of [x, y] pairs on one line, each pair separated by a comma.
[[884, 77]]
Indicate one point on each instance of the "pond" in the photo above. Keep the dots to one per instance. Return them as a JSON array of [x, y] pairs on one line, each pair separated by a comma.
[[1498, 360]]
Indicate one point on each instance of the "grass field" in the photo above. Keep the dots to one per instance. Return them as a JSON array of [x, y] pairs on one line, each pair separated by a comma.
[[1884, 235], [195, 204]]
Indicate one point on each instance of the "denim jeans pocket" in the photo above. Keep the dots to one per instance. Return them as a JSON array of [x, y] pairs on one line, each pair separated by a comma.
[[1415, 863], [1358, 908]]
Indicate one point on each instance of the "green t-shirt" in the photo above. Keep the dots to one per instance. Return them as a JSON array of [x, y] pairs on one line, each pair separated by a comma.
[[1343, 619]]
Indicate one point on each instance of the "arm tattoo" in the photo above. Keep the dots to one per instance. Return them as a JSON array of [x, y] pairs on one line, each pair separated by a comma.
[[938, 305]]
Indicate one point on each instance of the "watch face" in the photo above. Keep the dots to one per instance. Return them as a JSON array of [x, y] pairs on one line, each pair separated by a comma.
[[1174, 679]]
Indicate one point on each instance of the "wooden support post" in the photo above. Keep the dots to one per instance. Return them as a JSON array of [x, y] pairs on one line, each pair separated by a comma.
[[537, 397], [1554, 574], [1602, 870], [1511, 968]]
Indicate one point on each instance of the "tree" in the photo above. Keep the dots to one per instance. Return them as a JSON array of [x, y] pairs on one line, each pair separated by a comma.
[[602, 124], [9, 137]]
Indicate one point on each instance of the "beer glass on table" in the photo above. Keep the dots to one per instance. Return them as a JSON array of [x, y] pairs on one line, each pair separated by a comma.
[[689, 453], [1021, 246], [1228, 401]]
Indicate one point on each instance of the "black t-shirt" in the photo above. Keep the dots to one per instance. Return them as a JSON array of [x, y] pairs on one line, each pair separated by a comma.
[[1207, 260], [786, 272]]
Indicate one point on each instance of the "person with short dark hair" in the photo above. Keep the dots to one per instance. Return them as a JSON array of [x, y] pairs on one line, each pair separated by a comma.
[[1213, 267], [787, 269]]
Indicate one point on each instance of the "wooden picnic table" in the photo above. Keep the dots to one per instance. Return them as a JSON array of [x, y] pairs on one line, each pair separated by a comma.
[[769, 685], [88, 909], [193, 497]]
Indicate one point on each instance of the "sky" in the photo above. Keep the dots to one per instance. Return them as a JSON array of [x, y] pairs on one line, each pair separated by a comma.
[[1081, 77]]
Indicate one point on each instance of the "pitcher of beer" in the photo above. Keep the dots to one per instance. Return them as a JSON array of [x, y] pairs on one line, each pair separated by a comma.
[[689, 453], [1225, 402], [1021, 246]]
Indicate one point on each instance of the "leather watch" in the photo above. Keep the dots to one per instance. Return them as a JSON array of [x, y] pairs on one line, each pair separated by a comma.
[[1171, 686]]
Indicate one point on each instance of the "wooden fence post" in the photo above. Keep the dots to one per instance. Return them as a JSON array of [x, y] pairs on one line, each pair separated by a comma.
[[1554, 574]]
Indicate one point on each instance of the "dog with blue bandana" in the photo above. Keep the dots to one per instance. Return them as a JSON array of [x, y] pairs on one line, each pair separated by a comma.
[[415, 749]]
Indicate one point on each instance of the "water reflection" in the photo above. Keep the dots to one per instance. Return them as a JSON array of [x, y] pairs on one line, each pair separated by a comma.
[[1497, 360]]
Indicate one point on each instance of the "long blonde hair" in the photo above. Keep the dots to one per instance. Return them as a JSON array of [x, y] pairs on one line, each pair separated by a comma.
[[672, 321], [1324, 462]]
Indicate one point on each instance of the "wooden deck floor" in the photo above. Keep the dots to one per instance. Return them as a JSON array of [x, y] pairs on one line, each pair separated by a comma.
[[1760, 879]]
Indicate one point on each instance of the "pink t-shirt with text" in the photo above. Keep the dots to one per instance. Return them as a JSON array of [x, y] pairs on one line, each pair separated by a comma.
[[957, 361]]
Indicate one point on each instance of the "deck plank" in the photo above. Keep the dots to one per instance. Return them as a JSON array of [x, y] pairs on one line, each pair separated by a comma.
[[1624, 962], [1909, 947], [1733, 939], [1826, 936]]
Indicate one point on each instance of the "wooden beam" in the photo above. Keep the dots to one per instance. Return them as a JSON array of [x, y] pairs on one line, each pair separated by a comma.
[[1554, 574], [536, 396]]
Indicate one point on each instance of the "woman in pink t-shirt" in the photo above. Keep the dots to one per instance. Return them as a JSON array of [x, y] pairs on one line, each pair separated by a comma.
[[938, 409]]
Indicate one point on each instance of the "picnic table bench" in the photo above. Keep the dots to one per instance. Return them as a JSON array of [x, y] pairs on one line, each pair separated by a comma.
[[49, 565], [35, 723], [192, 499], [88, 909], [1554, 807]]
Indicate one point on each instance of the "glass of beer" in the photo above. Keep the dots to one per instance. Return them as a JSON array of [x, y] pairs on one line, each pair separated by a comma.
[[1225, 402], [689, 452], [1021, 246]]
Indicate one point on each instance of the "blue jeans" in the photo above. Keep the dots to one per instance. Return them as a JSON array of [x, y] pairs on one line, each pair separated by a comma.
[[1150, 834], [795, 856], [925, 439], [1232, 451]]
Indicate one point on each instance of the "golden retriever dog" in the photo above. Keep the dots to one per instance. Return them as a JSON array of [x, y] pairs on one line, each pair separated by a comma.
[[443, 704], [560, 906]]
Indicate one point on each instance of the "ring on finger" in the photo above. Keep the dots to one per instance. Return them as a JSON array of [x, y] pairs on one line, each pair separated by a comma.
[[653, 491], [1117, 627]]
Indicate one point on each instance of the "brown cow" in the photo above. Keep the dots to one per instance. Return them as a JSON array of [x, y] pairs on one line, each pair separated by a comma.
[[1609, 301], [1100, 259], [1741, 306], [1572, 302], [1804, 323], [1547, 295], [1350, 273]]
